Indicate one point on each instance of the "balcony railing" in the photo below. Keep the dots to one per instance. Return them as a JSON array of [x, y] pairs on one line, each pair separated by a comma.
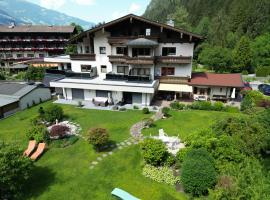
[[174, 59], [33, 49], [71, 74], [173, 79], [140, 60], [125, 39], [117, 59], [86, 56], [33, 40], [122, 77]]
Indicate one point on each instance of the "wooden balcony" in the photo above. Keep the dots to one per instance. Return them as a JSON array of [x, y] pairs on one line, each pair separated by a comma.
[[174, 59], [85, 56], [117, 59], [173, 79], [125, 39], [140, 60]]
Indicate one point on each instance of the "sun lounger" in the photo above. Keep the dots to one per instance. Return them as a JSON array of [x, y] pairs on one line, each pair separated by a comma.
[[39, 151], [31, 147], [123, 194]]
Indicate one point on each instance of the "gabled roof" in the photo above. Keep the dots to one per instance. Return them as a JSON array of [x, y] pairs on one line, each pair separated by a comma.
[[212, 79], [140, 19], [17, 90], [36, 29]]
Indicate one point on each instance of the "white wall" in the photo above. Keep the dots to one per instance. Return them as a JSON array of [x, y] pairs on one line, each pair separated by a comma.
[[89, 94], [39, 93], [216, 91]]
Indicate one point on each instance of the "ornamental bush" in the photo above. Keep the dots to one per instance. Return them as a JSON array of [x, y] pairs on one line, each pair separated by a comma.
[[160, 174], [145, 110], [198, 172], [201, 105], [53, 112], [165, 111], [177, 106], [59, 131], [38, 133], [15, 170], [98, 137], [218, 106], [154, 152]]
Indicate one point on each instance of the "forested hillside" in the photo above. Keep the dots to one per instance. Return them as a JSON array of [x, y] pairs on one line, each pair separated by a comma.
[[237, 31]]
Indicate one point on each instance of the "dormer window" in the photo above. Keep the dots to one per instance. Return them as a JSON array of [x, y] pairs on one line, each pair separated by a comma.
[[148, 32]]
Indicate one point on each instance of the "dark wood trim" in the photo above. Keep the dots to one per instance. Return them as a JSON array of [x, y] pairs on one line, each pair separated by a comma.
[[174, 59], [85, 56]]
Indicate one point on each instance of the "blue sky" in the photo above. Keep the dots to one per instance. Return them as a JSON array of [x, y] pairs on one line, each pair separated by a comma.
[[95, 10]]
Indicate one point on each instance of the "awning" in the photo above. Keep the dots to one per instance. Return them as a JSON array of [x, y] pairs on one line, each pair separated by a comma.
[[174, 87]]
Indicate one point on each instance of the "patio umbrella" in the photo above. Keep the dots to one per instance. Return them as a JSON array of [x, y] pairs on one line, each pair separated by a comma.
[[233, 94]]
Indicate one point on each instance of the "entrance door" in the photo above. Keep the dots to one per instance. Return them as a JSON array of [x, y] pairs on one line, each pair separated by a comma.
[[78, 94], [127, 96]]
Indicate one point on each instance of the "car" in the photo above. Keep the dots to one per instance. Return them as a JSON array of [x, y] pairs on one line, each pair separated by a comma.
[[200, 98], [265, 89]]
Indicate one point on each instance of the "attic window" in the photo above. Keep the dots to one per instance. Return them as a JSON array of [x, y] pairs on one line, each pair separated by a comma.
[[148, 32]]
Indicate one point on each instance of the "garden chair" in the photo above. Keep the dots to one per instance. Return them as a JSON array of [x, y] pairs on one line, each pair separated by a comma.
[[123, 194], [39, 151], [31, 147]]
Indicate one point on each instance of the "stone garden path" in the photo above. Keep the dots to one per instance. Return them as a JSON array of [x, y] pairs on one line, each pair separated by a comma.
[[135, 132]]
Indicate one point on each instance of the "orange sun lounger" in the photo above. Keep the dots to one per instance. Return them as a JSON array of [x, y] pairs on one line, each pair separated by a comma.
[[31, 147], [39, 151]]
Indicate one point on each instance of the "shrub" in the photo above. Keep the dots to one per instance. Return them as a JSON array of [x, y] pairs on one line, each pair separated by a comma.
[[41, 112], [38, 133], [198, 172], [149, 122], [265, 103], [115, 107], [65, 142], [201, 105], [165, 111], [170, 160], [246, 103], [160, 174], [122, 109], [59, 131], [181, 154], [135, 107], [244, 72], [177, 106], [154, 152], [145, 110], [53, 113], [98, 137], [231, 109], [80, 104], [218, 106]]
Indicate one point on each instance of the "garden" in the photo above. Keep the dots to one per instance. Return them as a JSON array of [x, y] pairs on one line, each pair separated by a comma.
[[94, 152]]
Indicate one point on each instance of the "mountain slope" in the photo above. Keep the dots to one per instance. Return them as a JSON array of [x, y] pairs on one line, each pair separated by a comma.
[[32, 13], [5, 18]]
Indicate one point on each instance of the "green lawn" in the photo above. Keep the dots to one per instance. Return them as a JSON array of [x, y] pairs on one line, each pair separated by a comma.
[[63, 173], [183, 123]]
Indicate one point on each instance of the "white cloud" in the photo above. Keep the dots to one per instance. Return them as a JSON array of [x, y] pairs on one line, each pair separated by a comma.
[[52, 4], [134, 7], [85, 2]]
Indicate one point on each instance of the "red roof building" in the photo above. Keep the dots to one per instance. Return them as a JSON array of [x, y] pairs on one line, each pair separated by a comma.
[[218, 80]]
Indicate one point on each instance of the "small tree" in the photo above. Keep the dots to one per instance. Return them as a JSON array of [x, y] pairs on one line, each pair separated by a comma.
[[41, 112], [154, 152], [198, 172], [14, 171], [246, 103], [38, 133], [53, 112], [145, 110], [98, 137]]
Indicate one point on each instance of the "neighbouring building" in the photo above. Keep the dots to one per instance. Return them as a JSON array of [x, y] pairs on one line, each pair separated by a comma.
[[130, 60], [15, 96], [27, 42]]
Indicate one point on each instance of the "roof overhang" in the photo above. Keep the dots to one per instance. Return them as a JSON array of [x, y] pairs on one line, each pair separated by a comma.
[[175, 87]]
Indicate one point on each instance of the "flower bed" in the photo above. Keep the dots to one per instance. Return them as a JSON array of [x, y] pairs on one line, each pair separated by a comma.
[[63, 129]]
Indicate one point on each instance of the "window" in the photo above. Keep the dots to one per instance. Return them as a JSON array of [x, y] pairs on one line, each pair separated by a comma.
[[122, 50], [141, 52], [19, 55], [87, 49], [9, 55], [168, 51], [41, 55], [103, 69], [85, 68], [102, 50], [3, 64], [141, 71], [120, 69], [30, 55], [148, 32], [167, 71]]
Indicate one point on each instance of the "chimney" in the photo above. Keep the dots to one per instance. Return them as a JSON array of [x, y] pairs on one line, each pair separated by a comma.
[[170, 22]]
